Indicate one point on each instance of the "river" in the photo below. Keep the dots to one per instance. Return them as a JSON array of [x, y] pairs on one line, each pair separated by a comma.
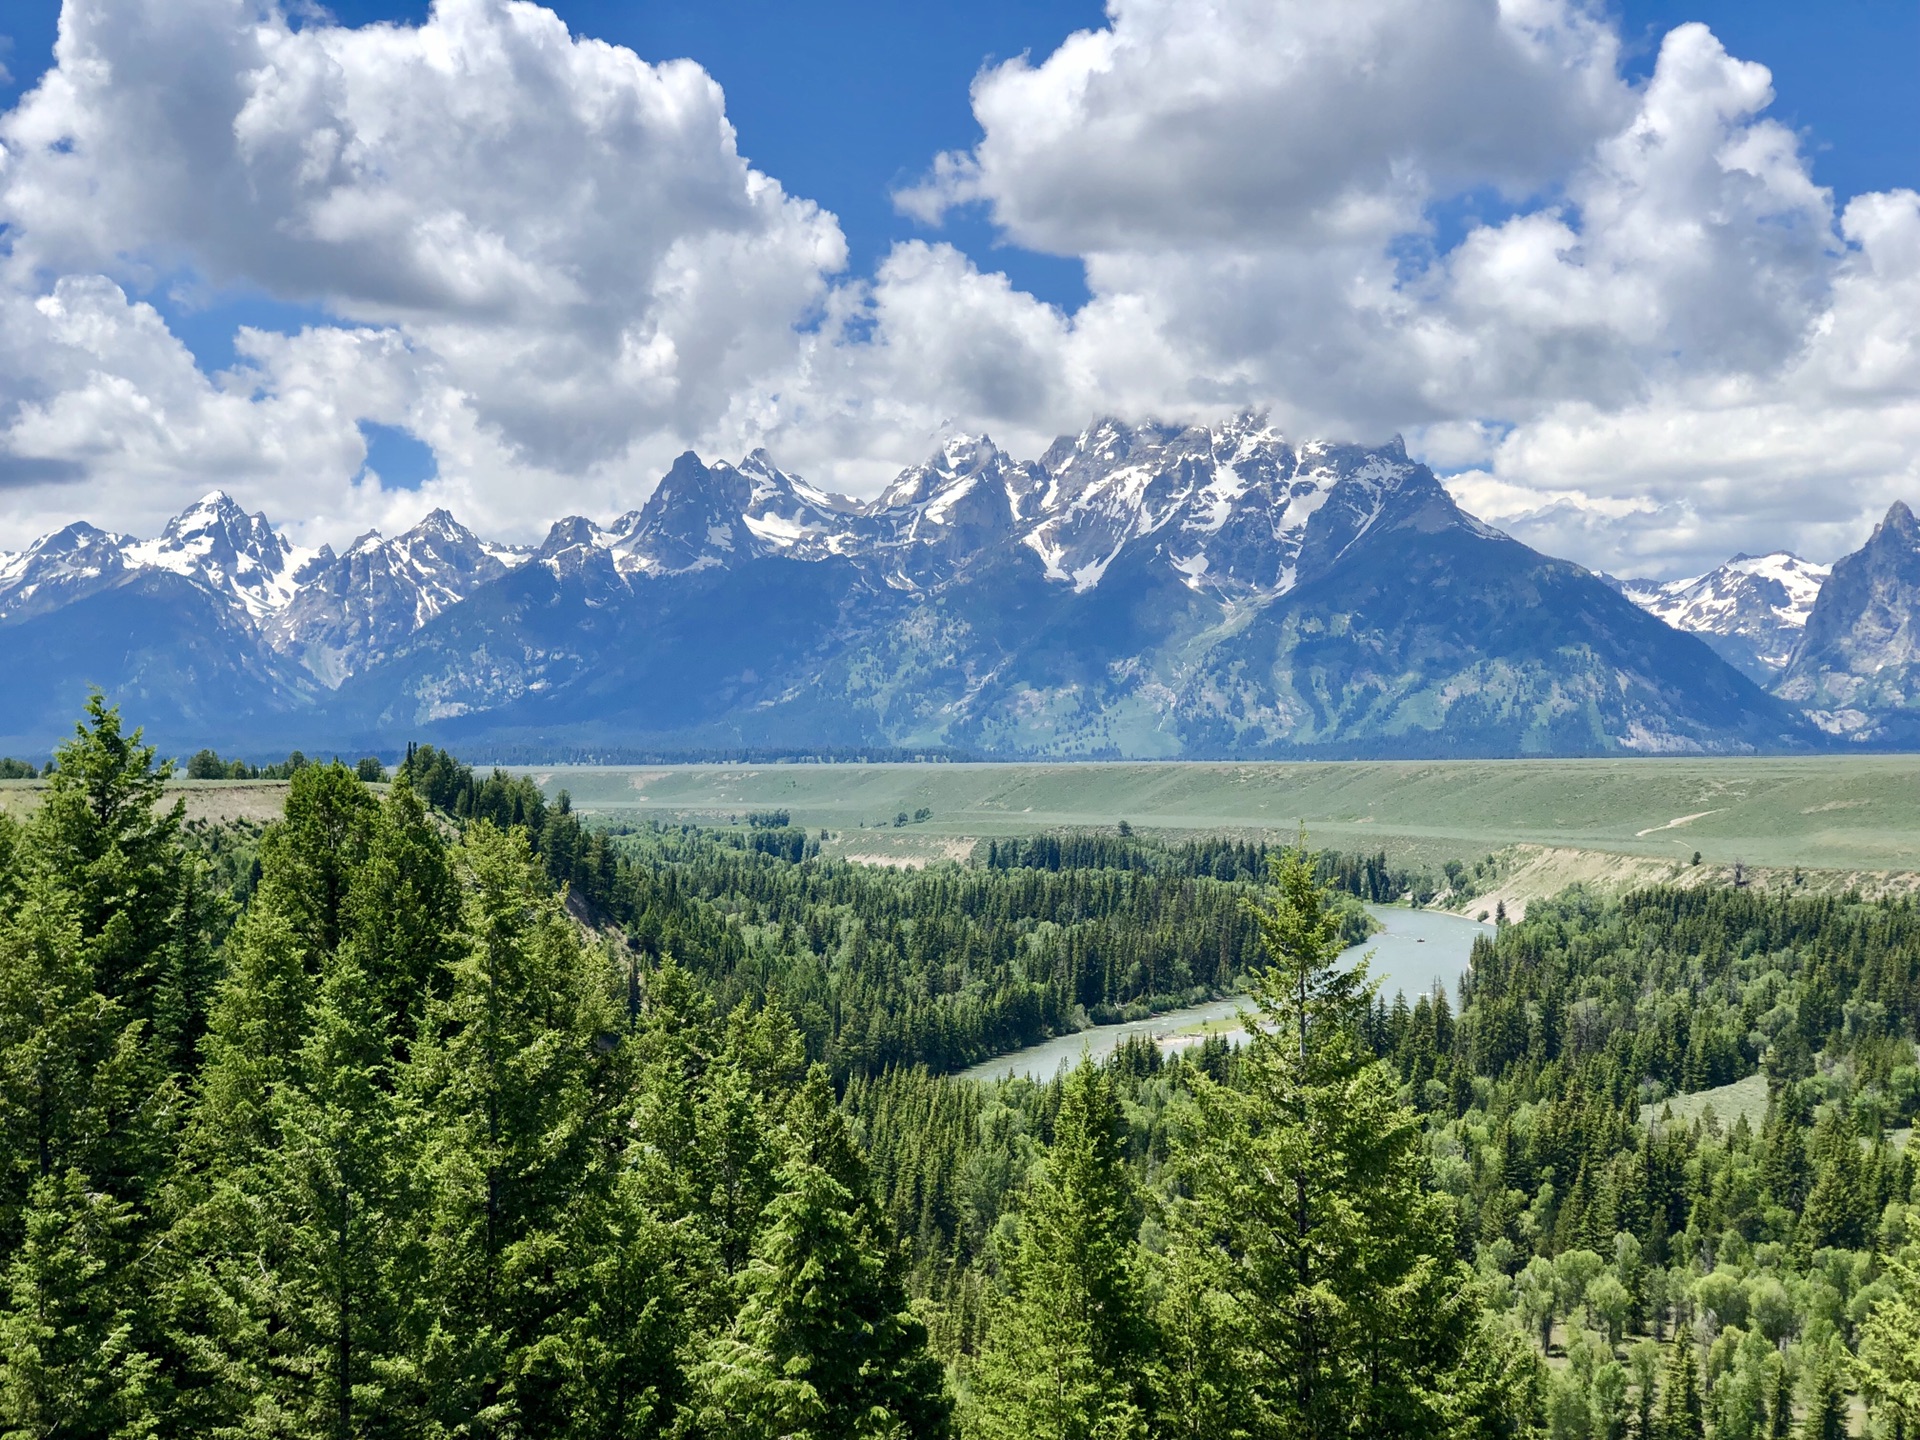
[[1416, 949]]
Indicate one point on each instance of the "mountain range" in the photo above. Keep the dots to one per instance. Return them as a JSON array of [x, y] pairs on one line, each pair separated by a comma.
[[1138, 590]]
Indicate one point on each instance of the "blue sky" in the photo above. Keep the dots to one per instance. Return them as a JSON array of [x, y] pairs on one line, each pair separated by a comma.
[[1637, 308]]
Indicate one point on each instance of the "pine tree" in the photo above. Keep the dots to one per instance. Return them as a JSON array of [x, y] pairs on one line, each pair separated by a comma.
[[1682, 1409], [332, 1196], [1783, 1149], [190, 972], [1779, 1399], [102, 835], [1068, 1346], [1200, 1395], [255, 1028], [1643, 1419], [316, 849], [402, 913], [76, 1086], [70, 1356], [508, 1076], [823, 1347], [677, 1042], [1347, 1309], [1826, 1413], [615, 1354], [1836, 1208]]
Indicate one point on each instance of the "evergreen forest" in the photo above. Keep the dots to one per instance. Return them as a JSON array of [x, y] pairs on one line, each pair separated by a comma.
[[433, 1110]]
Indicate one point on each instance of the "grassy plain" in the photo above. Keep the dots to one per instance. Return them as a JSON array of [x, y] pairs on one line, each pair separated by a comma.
[[1827, 812]]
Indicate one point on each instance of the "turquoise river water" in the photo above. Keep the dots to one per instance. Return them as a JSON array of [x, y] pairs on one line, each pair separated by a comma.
[[1416, 950]]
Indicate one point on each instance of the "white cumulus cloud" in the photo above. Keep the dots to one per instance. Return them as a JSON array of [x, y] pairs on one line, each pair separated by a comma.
[[560, 238], [1663, 345], [1624, 315]]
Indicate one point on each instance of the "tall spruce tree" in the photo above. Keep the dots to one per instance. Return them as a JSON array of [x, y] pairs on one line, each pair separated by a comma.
[[510, 1077], [316, 849], [1779, 1399], [190, 970], [823, 1347], [84, 1129], [1069, 1349], [335, 1224], [1826, 1402], [1837, 1207], [1306, 1212], [102, 834], [401, 912], [75, 1081]]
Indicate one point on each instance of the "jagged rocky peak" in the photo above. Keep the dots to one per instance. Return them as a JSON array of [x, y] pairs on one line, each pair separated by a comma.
[[958, 464], [60, 567], [357, 607], [569, 534], [786, 515], [703, 515], [441, 547], [1857, 670], [691, 521], [1115, 482], [219, 545], [1234, 508], [967, 499], [438, 562]]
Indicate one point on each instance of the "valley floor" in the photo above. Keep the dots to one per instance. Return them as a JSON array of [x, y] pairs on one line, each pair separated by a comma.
[[1850, 813]]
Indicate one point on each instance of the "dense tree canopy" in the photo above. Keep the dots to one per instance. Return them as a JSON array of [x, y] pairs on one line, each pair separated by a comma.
[[435, 1111]]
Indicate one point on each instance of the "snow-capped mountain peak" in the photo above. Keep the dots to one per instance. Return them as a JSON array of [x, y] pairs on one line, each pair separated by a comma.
[[702, 515], [1237, 511], [1753, 609], [217, 544], [351, 610], [60, 567]]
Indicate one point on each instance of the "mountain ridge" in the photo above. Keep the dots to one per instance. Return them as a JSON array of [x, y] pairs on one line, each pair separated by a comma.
[[1137, 590]]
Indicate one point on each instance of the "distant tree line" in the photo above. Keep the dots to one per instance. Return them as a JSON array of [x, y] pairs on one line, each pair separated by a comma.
[[207, 764], [1368, 877]]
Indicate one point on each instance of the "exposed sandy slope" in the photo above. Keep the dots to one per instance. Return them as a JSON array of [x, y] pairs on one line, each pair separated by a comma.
[[211, 800], [904, 850], [1531, 872]]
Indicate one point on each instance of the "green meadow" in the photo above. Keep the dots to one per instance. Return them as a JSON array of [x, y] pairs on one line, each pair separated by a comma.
[[1828, 812]]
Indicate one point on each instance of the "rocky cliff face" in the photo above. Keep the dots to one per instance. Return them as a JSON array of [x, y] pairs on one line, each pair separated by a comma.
[[1857, 670], [1137, 590], [351, 611]]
